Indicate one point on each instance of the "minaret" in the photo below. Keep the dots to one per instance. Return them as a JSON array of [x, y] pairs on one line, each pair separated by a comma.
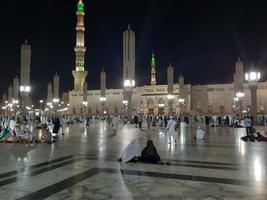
[[79, 74], [153, 70]]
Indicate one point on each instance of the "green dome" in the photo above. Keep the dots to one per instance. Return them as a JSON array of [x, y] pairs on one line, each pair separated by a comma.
[[80, 7]]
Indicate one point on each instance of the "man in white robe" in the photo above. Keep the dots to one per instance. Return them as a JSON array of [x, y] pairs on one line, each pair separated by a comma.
[[171, 129]]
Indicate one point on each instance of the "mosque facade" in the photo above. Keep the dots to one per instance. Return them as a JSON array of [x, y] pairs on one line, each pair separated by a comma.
[[153, 98]]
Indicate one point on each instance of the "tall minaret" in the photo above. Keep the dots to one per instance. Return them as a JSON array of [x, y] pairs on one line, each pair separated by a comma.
[[153, 70], [79, 74]]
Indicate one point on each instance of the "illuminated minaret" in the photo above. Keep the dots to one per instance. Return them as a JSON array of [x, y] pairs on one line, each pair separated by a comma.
[[153, 70], [79, 74]]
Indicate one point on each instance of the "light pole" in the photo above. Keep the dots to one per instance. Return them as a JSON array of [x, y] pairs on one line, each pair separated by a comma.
[[103, 102], [41, 104], [125, 103], [181, 105], [170, 95], [253, 77], [103, 86]]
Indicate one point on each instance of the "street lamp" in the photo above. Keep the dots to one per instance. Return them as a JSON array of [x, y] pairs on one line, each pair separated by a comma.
[[55, 100], [25, 89], [253, 77], [103, 99], [129, 84], [170, 96]]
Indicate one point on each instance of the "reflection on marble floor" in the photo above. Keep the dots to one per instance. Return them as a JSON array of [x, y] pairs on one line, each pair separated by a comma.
[[77, 161], [114, 186]]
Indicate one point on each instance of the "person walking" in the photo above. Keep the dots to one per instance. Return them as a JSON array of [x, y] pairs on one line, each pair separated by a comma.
[[148, 121], [140, 121], [115, 123], [248, 125], [171, 129]]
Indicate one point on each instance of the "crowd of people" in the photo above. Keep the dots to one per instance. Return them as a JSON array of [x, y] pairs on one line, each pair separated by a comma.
[[22, 129]]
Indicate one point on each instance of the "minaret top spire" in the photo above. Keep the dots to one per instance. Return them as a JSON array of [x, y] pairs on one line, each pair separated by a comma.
[[153, 70], [80, 6], [153, 59]]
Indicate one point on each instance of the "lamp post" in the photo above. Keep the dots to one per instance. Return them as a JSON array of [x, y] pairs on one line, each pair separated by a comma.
[[170, 95], [103, 86], [41, 104], [103, 102], [253, 77], [181, 105], [25, 91], [125, 103]]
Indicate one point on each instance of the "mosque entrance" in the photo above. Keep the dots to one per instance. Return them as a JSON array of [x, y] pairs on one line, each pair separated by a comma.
[[151, 111], [161, 111]]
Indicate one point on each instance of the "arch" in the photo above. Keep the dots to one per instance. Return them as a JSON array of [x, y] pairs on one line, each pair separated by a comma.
[[161, 102], [150, 102]]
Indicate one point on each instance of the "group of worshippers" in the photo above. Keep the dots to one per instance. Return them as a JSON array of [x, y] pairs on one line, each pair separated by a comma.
[[11, 132], [15, 132], [149, 154], [250, 131]]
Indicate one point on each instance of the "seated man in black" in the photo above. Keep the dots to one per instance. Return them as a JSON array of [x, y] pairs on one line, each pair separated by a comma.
[[150, 154]]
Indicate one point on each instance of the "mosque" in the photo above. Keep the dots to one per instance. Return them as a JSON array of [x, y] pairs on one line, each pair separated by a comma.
[[153, 98]]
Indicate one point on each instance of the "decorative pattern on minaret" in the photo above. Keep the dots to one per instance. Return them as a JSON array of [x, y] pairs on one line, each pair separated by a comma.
[[153, 70], [79, 74], [80, 48]]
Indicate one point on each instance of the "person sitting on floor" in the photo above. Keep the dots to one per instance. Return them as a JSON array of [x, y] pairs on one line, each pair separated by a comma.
[[150, 154], [4, 134], [261, 138], [131, 153], [200, 134]]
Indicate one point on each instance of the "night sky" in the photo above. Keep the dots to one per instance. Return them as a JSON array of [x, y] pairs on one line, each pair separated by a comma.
[[202, 39]]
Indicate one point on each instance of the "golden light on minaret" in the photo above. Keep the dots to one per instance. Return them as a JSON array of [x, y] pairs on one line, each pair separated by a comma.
[[80, 74], [153, 70]]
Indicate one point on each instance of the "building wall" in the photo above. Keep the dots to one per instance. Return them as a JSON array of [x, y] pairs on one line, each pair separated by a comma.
[[212, 98]]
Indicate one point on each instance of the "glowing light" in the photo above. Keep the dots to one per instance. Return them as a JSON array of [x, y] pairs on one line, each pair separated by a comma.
[[125, 102], [170, 96], [55, 100], [129, 83], [80, 7], [153, 60], [240, 94], [25, 88], [103, 99], [253, 76], [181, 100]]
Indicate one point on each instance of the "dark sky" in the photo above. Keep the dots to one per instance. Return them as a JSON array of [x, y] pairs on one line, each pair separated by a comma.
[[202, 39]]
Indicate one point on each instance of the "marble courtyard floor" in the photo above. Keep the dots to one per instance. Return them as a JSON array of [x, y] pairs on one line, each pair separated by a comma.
[[83, 165]]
